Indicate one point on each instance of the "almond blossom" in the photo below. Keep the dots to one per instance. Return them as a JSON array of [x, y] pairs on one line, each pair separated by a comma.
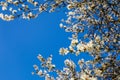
[[95, 29]]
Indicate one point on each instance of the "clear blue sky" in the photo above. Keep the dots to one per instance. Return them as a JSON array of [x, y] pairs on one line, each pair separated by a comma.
[[22, 40]]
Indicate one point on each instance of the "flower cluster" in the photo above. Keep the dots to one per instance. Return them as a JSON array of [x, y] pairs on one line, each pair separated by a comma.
[[68, 73], [97, 27], [27, 9]]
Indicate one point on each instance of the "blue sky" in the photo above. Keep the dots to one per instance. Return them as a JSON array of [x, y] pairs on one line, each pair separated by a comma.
[[22, 40]]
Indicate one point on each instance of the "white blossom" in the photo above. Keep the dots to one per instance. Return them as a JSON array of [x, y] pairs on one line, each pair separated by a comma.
[[63, 51]]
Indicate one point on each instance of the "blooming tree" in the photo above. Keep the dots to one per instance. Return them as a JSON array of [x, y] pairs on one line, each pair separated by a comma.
[[99, 23]]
